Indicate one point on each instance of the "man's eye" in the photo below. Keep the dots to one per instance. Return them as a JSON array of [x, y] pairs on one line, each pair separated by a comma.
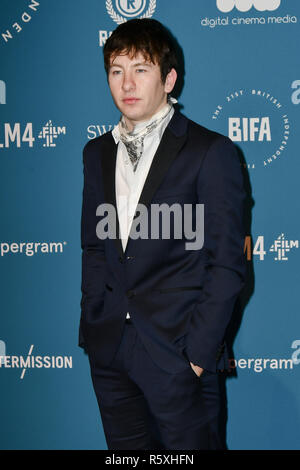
[[141, 70], [115, 72]]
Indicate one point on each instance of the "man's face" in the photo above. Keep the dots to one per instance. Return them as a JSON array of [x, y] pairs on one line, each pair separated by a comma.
[[137, 88]]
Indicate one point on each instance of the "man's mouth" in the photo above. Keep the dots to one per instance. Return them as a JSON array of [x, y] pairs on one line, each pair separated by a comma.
[[130, 100]]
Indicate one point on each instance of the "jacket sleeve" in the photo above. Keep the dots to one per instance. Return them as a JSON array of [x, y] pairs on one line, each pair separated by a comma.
[[220, 189], [93, 256]]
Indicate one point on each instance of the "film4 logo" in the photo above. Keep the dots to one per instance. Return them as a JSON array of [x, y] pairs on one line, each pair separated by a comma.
[[19, 135], [280, 247]]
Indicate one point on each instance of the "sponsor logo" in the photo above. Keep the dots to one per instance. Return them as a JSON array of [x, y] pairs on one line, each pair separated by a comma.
[[245, 5], [18, 25], [296, 354], [279, 248], [31, 248], [49, 133], [252, 129], [260, 364], [18, 135], [2, 351], [256, 120], [296, 94], [2, 92], [32, 361], [103, 36], [96, 130], [128, 9], [121, 11]]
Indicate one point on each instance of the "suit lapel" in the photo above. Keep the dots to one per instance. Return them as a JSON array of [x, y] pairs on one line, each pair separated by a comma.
[[109, 183], [172, 141]]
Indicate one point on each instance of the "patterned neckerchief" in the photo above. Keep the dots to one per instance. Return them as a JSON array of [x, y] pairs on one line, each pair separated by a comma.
[[134, 140]]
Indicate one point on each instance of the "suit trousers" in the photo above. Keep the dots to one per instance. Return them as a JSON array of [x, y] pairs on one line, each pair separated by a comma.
[[144, 407]]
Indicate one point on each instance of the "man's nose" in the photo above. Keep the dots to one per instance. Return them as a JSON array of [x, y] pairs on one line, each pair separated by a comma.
[[128, 81]]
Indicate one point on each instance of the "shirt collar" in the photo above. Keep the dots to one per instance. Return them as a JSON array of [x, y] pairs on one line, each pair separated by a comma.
[[160, 129]]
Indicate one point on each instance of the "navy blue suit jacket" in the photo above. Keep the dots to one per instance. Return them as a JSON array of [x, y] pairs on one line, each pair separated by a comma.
[[180, 301]]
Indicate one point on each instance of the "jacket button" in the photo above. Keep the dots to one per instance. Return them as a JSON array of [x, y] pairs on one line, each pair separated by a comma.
[[130, 294], [129, 258]]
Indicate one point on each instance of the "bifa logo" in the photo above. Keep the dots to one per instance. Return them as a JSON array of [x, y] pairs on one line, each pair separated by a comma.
[[249, 129], [245, 5], [128, 9], [256, 119], [296, 94], [2, 92], [18, 134]]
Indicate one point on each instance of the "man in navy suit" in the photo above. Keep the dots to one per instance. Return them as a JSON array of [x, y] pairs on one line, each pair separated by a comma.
[[155, 307]]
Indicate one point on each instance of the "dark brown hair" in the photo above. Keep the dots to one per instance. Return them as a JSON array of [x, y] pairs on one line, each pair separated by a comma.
[[147, 36]]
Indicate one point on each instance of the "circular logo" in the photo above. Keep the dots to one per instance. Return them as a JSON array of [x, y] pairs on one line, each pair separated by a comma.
[[256, 121], [130, 8]]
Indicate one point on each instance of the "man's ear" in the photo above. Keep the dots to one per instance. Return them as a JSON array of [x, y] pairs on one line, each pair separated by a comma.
[[170, 81]]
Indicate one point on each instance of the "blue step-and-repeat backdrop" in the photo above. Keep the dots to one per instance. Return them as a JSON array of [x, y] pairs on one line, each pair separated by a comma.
[[241, 78]]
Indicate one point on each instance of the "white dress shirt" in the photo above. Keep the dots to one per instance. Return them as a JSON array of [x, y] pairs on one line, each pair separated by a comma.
[[129, 184]]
